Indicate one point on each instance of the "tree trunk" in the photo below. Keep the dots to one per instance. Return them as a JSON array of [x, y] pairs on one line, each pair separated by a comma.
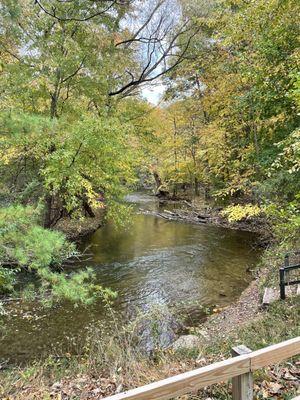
[[48, 211], [88, 209], [158, 181], [196, 186]]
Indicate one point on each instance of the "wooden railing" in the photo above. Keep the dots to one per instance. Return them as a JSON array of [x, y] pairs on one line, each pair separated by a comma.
[[240, 368]]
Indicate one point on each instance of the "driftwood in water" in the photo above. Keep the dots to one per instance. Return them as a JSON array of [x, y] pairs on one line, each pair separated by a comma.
[[184, 215], [180, 215]]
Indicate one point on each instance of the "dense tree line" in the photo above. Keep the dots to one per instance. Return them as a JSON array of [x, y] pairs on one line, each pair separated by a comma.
[[233, 114], [70, 76], [75, 132]]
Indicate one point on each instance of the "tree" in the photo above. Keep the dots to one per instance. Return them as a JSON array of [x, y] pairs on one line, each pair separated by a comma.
[[70, 62], [244, 62], [25, 245]]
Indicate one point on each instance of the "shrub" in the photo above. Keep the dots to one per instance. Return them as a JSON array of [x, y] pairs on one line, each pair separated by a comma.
[[7, 280], [239, 212], [26, 245]]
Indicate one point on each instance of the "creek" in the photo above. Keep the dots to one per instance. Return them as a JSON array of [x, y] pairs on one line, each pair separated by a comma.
[[184, 267]]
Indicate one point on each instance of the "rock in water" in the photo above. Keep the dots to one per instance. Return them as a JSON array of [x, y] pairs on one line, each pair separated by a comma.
[[187, 342]]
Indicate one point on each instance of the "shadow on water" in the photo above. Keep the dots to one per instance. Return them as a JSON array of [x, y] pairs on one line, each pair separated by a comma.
[[154, 262]]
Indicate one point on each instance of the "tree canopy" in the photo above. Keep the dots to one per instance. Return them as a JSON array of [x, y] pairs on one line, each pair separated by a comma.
[[76, 132]]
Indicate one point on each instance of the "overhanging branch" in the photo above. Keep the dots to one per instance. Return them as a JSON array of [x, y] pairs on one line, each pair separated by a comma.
[[148, 73], [52, 13]]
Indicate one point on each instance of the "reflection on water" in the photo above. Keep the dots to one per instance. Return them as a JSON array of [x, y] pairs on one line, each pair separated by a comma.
[[154, 262]]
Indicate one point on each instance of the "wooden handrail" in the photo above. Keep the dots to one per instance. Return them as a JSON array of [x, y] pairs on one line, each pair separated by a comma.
[[274, 354], [214, 373]]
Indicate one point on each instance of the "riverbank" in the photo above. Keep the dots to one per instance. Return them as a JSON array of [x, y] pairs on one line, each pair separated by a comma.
[[201, 213], [76, 229], [197, 211], [109, 366]]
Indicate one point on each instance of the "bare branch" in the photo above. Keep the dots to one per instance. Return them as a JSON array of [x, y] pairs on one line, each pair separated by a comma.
[[68, 19], [75, 155], [134, 37], [149, 73]]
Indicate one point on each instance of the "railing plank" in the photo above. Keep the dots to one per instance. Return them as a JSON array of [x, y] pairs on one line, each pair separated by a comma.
[[275, 353], [214, 373], [188, 381]]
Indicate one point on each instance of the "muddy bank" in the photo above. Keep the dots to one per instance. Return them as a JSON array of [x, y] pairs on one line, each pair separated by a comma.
[[244, 310], [223, 322]]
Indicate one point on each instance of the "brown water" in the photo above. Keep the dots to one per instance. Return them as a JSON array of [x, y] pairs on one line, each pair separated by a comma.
[[156, 262]]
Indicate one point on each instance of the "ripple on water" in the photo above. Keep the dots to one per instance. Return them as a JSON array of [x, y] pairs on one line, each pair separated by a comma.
[[180, 265]]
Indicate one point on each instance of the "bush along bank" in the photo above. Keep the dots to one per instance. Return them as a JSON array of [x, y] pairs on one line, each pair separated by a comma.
[[26, 246]]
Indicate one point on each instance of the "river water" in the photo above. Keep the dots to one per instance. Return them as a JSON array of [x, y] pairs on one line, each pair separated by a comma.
[[155, 262]]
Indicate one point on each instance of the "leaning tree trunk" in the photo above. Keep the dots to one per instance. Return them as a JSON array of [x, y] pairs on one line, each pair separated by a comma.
[[158, 181]]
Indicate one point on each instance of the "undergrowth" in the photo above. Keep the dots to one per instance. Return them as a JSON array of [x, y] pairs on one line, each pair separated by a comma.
[[117, 363]]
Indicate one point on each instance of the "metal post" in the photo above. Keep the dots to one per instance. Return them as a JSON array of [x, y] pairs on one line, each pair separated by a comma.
[[242, 385], [286, 260], [282, 283]]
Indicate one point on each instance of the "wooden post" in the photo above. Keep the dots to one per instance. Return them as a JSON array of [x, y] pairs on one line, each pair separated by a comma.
[[242, 385]]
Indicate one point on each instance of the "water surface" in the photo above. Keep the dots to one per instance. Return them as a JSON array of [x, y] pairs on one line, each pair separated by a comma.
[[155, 262]]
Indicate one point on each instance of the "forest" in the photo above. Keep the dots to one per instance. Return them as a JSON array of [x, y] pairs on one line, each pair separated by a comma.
[[194, 101]]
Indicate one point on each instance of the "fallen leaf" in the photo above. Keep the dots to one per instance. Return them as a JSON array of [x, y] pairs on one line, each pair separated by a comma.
[[274, 387]]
